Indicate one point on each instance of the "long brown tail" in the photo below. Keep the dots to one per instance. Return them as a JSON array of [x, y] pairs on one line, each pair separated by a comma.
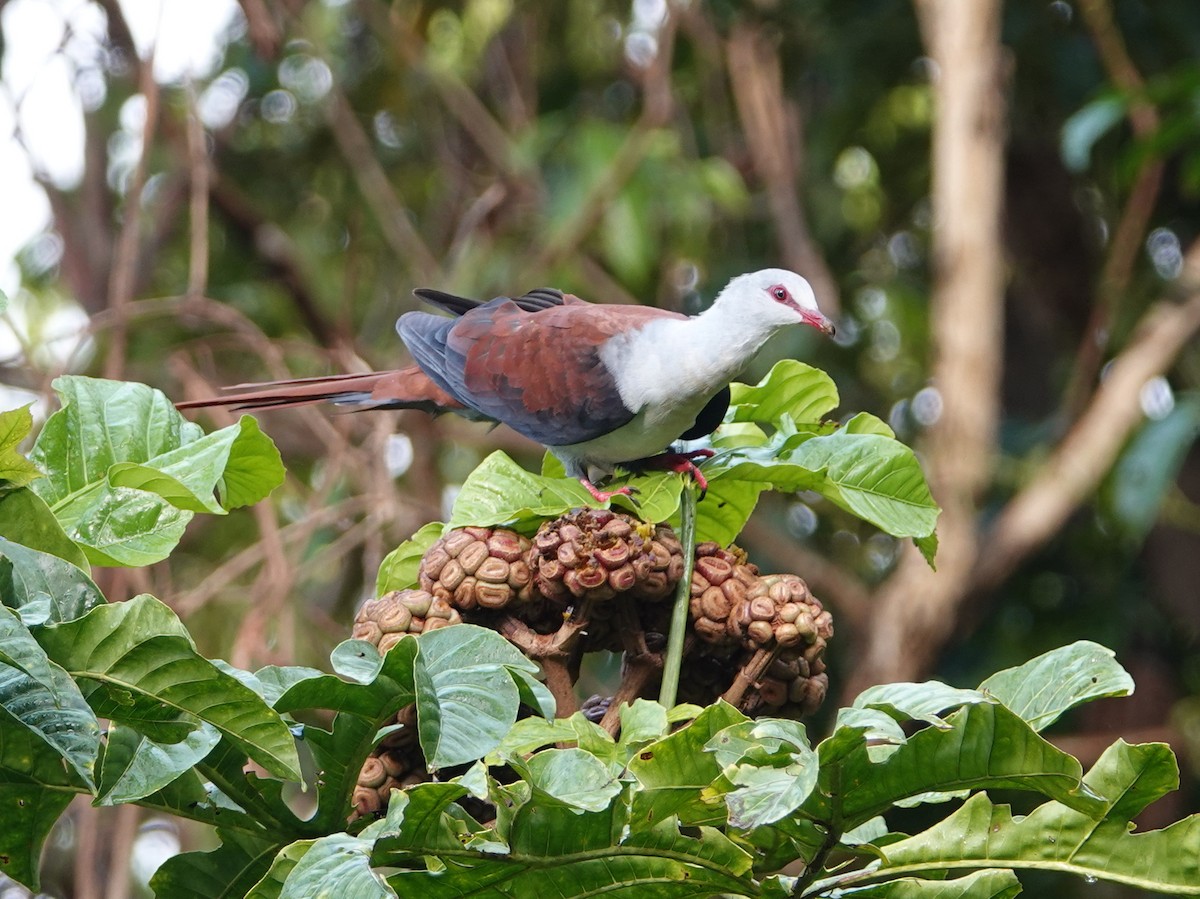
[[405, 388]]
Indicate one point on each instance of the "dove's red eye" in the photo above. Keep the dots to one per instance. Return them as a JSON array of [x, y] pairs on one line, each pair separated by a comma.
[[780, 293]]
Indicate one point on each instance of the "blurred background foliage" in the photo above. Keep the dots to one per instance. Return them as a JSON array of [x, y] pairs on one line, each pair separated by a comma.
[[270, 218]]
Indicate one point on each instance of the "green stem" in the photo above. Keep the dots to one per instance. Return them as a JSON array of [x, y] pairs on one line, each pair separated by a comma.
[[683, 594]]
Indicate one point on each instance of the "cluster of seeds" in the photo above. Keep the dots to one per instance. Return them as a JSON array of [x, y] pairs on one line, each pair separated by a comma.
[[384, 621], [596, 554], [478, 568]]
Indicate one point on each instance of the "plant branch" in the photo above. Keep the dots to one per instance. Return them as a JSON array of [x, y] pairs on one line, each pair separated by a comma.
[[916, 609], [1126, 242], [1076, 467], [673, 660], [124, 270], [772, 126]]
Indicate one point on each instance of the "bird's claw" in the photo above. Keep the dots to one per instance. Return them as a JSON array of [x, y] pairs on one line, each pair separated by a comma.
[[604, 496]]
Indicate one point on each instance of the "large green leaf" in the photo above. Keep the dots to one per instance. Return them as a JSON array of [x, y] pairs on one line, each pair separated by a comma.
[[1054, 837], [983, 746], [555, 850], [125, 471], [1045, 687], [35, 788], [336, 865], [771, 766], [147, 674], [135, 766], [725, 509], [227, 872], [676, 774], [573, 777], [470, 681], [383, 684], [15, 469], [44, 588], [499, 491], [43, 699], [994, 884], [790, 389], [26, 519]]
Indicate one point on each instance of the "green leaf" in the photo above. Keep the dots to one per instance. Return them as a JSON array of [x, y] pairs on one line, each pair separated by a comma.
[[468, 688], [147, 673], [41, 697], [135, 766], [15, 426], [676, 774], [26, 519], [996, 884], [572, 777], [1054, 837], [362, 706], [398, 571], [656, 495], [233, 467], [559, 851], [30, 811], [125, 471], [642, 722], [530, 734], [928, 702], [42, 587], [226, 872], [771, 765], [1045, 687], [35, 788], [725, 509], [500, 492], [336, 865], [869, 475], [985, 746], [791, 388]]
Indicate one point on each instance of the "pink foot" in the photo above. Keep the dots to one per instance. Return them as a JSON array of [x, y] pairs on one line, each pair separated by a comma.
[[603, 496], [684, 463]]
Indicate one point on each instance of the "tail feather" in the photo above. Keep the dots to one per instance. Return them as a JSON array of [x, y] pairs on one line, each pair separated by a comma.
[[405, 388]]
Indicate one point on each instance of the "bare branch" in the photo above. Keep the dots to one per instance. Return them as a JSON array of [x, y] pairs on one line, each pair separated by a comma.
[[124, 270], [916, 608], [1090, 449], [772, 125], [377, 190], [1135, 216]]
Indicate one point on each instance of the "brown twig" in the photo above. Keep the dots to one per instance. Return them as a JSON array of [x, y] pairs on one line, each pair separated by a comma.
[[1075, 468], [198, 208], [124, 270], [381, 196], [916, 609], [1126, 242], [773, 138], [749, 675], [637, 675]]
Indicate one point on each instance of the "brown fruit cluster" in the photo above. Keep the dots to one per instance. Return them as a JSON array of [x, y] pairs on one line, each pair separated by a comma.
[[596, 554], [395, 765], [478, 568], [720, 582], [737, 612], [384, 621]]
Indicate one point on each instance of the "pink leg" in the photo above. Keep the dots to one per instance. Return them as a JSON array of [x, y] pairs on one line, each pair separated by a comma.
[[684, 463], [603, 496]]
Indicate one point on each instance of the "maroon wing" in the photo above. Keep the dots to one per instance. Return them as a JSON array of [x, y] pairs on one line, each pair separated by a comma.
[[538, 372]]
